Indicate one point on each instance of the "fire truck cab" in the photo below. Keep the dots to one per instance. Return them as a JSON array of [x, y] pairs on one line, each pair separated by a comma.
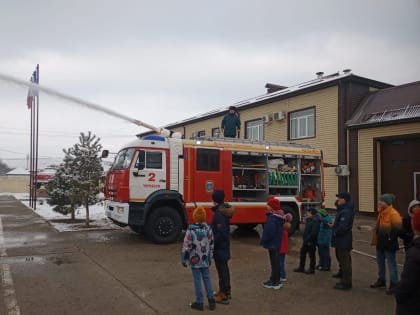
[[156, 182]]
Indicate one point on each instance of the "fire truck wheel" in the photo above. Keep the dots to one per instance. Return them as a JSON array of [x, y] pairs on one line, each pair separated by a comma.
[[295, 220], [163, 225]]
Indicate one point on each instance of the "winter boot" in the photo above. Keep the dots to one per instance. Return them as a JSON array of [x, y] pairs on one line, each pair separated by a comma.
[[212, 304], [221, 298], [378, 284], [391, 289], [197, 306]]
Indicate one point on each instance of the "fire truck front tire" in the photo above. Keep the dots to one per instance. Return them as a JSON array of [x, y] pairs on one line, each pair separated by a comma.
[[163, 225]]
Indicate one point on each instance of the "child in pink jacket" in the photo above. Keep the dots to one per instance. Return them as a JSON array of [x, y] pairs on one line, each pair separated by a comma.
[[284, 247]]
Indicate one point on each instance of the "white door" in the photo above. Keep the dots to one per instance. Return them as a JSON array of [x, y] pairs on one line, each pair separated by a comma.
[[148, 174]]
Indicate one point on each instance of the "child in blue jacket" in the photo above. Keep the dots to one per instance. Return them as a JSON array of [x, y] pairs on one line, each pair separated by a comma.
[[271, 240], [324, 240]]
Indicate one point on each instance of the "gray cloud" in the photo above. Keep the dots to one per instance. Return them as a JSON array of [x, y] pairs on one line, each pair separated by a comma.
[[164, 61]]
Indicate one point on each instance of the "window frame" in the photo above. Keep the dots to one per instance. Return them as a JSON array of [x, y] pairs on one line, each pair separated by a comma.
[[205, 163], [258, 126], [213, 130], [289, 124]]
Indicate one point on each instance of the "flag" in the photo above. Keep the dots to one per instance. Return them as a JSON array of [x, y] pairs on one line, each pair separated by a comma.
[[32, 93]]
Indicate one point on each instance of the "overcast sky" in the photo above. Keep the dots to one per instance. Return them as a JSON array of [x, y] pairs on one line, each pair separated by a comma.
[[165, 61]]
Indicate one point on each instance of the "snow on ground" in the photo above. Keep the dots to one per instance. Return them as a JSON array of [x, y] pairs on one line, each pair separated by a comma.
[[57, 220]]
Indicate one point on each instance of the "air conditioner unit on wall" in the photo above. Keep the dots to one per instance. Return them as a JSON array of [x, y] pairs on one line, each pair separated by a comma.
[[266, 118], [342, 170], [278, 115]]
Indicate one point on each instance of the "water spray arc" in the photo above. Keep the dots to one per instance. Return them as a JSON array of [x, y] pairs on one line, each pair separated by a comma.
[[78, 101]]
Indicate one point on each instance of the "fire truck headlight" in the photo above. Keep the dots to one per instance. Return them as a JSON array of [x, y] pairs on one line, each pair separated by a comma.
[[120, 209]]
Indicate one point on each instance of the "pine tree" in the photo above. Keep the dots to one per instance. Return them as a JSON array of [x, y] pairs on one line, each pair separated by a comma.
[[62, 190], [80, 175], [87, 169]]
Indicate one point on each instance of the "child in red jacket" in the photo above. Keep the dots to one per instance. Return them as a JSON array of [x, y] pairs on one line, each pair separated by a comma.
[[284, 247]]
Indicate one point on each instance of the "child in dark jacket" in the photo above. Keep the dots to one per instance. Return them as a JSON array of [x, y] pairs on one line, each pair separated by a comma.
[[271, 240], [197, 250], [221, 231], [310, 235]]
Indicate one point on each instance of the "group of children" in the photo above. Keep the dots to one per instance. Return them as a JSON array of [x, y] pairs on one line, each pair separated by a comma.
[[202, 242], [275, 238], [316, 235]]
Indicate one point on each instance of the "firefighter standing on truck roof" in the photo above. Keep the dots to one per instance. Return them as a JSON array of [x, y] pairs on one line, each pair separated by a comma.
[[231, 123]]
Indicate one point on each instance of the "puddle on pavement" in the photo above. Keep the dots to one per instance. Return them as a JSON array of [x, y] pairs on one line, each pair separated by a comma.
[[37, 260]]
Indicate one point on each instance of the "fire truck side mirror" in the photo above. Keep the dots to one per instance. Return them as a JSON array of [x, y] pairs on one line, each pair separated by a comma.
[[105, 154]]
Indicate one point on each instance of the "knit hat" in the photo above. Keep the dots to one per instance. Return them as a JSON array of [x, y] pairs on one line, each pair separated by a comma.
[[232, 108], [199, 215], [411, 205], [415, 222], [344, 195], [274, 203], [312, 210], [387, 198], [218, 196]]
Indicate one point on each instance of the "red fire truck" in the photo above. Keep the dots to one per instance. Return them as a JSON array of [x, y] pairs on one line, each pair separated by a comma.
[[46, 174], [156, 181]]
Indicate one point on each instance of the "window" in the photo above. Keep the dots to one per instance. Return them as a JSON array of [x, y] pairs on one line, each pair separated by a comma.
[[208, 160], [215, 132], [302, 124], [154, 160], [254, 130], [201, 133], [149, 160], [123, 159]]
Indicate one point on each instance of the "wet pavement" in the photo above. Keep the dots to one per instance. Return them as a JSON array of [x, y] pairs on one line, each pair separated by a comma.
[[120, 272]]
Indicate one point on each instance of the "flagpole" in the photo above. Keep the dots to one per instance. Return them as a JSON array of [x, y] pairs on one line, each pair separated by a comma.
[[36, 137], [31, 166]]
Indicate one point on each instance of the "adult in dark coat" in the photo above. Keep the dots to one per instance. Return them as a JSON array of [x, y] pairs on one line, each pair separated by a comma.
[[342, 240], [221, 232], [407, 291], [231, 123]]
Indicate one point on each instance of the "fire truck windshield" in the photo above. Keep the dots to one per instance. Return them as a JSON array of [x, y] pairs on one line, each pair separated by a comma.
[[123, 159]]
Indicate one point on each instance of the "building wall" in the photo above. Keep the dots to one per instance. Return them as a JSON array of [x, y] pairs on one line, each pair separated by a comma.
[[367, 189], [14, 184], [325, 102]]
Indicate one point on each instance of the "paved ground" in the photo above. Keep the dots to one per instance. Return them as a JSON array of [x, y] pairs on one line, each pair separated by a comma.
[[119, 272]]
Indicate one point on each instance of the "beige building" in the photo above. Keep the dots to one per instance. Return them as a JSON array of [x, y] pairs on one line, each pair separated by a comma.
[[315, 113], [385, 133], [15, 181]]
